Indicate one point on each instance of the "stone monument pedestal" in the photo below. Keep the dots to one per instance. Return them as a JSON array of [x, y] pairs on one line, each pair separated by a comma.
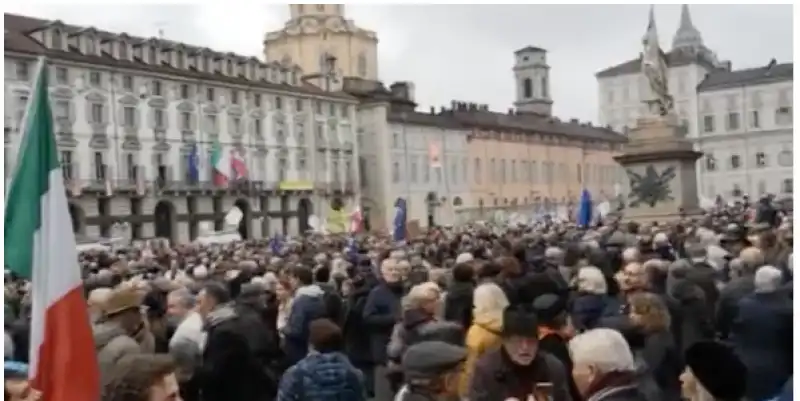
[[661, 168]]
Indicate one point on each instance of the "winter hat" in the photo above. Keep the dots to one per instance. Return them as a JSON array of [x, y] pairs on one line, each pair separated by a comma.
[[428, 359], [718, 369]]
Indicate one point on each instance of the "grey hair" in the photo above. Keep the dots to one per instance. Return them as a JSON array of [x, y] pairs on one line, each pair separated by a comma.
[[630, 255], [555, 255], [767, 279], [605, 349], [185, 297], [420, 294], [591, 280]]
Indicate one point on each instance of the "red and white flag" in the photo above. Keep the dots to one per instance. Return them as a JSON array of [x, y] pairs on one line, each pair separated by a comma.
[[238, 166], [356, 220]]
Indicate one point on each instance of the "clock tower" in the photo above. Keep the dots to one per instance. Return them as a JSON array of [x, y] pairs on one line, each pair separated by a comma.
[[326, 45]]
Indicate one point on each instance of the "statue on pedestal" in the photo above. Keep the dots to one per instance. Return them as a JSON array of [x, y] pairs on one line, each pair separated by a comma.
[[654, 68]]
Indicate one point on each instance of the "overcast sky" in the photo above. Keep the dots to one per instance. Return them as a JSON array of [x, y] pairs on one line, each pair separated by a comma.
[[466, 52]]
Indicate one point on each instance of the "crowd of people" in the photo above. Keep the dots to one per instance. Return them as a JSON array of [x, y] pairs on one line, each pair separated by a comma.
[[697, 309]]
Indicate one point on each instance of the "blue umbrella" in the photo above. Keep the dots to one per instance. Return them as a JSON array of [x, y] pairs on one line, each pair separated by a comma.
[[585, 209]]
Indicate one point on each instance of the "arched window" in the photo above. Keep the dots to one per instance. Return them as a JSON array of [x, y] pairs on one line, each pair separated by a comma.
[[527, 88], [544, 87], [362, 65]]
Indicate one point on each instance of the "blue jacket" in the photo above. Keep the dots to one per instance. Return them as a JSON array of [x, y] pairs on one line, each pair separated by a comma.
[[308, 304], [322, 377], [381, 312]]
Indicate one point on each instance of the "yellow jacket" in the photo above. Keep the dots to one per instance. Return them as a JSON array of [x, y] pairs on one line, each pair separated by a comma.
[[487, 324]]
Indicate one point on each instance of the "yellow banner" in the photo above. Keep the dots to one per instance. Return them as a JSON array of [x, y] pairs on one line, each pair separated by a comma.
[[337, 221], [296, 185]]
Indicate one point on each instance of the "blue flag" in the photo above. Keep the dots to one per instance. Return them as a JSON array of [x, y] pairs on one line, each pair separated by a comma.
[[193, 168], [585, 209], [351, 249], [276, 244], [399, 232]]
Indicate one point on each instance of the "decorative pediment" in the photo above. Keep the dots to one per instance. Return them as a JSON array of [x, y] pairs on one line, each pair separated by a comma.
[[211, 108], [257, 113], [235, 110], [186, 106], [129, 100], [161, 146], [132, 143], [63, 93], [94, 96], [279, 118], [66, 140], [99, 141], [300, 119], [157, 102]]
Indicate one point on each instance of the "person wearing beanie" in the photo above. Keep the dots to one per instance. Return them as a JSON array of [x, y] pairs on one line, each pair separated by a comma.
[[713, 372], [431, 371], [555, 330], [519, 369], [325, 373]]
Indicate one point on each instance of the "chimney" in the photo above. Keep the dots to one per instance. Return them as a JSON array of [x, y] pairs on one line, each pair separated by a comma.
[[573, 121], [442, 109], [433, 110], [510, 111], [453, 105]]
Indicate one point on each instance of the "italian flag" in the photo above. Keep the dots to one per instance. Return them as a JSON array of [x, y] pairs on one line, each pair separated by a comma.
[[220, 164], [40, 246]]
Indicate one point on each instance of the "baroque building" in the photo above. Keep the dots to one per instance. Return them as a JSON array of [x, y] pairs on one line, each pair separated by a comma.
[[741, 119], [139, 122], [326, 45], [746, 132]]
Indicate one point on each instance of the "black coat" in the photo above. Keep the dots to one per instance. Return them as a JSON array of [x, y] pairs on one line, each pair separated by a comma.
[[231, 371], [458, 303], [762, 337], [356, 333], [381, 311]]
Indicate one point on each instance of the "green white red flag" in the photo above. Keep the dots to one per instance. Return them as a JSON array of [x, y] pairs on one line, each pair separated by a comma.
[[40, 246]]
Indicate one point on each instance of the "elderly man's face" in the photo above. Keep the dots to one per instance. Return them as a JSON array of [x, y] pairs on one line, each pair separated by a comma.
[[391, 272], [583, 375], [176, 308]]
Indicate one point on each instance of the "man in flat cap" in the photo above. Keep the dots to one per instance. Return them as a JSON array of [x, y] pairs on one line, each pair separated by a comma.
[[122, 322], [431, 371]]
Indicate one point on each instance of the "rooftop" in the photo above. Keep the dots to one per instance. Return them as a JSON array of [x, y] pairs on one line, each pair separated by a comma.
[[19, 38], [771, 73], [675, 58]]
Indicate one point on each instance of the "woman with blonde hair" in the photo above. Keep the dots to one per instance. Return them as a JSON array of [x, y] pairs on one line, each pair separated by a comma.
[[284, 294], [657, 349], [489, 302], [420, 307]]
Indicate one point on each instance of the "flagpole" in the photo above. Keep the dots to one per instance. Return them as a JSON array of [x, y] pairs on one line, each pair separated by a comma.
[[116, 130]]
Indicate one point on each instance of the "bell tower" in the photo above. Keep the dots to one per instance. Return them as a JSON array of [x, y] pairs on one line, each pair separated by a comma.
[[532, 76], [316, 10], [325, 45]]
